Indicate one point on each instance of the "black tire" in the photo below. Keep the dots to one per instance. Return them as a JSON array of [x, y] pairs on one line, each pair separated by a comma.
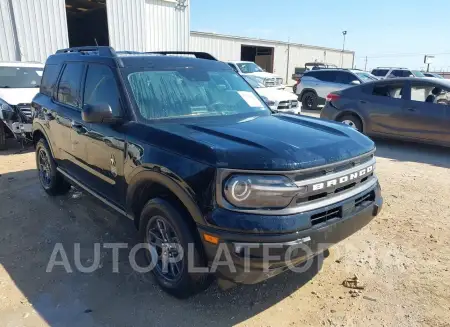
[[353, 121], [309, 101], [51, 180], [2, 136], [186, 284]]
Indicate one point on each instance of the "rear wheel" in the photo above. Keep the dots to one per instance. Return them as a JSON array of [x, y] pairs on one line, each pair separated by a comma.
[[352, 121], [309, 101], [2, 136], [164, 228], [51, 180]]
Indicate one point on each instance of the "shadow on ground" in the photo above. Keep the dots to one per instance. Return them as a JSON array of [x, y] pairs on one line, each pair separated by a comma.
[[14, 147], [413, 152], [31, 223]]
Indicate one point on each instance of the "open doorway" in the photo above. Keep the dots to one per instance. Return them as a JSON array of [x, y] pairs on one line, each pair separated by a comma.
[[262, 56], [87, 22]]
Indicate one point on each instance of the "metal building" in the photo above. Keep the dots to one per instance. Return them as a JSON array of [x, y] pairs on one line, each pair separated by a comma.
[[275, 56], [30, 30]]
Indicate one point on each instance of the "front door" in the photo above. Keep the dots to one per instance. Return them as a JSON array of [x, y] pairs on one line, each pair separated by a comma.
[[425, 112], [106, 142]]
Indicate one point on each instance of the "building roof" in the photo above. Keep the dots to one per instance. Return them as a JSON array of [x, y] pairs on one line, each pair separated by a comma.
[[249, 39]]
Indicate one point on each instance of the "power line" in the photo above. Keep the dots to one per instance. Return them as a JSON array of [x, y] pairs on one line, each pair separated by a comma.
[[393, 55]]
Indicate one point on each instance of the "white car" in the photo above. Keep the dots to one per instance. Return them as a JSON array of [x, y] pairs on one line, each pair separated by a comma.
[[19, 83], [249, 68], [276, 99]]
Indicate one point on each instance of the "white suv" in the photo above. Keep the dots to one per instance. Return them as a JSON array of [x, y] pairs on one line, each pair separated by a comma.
[[393, 72], [251, 69]]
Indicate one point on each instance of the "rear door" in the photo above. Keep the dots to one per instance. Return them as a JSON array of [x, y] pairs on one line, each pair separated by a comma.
[[425, 116], [383, 106], [325, 83], [68, 130]]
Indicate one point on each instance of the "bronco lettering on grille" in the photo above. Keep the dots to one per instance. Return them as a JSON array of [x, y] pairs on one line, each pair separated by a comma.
[[342, 179]]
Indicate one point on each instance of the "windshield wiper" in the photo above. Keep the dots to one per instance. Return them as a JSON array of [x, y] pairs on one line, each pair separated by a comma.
[[4, 87]]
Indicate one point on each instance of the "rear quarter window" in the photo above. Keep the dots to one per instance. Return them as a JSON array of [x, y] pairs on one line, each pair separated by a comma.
[[49, 79]]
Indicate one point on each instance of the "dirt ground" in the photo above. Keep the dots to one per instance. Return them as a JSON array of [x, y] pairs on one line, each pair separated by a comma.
[[402, 258]]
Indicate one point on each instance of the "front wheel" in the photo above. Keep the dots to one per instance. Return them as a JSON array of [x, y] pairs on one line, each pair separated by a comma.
[[51, 180], [309, 101], [352, 121], [165, 229]]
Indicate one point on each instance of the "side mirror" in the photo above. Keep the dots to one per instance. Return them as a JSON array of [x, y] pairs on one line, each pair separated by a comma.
[[355, 82], [98, 113], [6, 114]]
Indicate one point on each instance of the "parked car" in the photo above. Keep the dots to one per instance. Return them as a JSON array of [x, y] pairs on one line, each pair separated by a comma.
[[432, 75], [278, 100], [395, 72], [315, 85], [300, 71], [405, 108], [249, 68], [19, 83], [188, 150]]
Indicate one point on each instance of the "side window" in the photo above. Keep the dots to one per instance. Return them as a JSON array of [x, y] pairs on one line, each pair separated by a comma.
[[407, 73], [49, 79], [69, 85], [233, 66], [326, 76], [101, 87], [396, 73], [345, 78], [388, 90], [429, 94]]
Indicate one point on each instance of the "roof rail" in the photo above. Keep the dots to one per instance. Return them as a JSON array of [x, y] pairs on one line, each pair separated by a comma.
[[199, 55], [391, 67], [103, 51]]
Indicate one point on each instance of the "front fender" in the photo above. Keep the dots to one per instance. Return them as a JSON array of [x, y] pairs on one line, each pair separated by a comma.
[[183, 193]]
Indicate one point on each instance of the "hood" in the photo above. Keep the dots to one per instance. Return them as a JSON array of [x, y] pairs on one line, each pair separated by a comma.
[[16, 96], [263, 75], [276, 94], [272, 142]]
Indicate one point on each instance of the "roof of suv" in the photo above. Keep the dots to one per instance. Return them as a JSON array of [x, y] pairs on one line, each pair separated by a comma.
[[136, 59]]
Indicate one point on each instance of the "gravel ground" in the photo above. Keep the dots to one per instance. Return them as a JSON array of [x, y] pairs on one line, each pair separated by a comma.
[[401, 258]]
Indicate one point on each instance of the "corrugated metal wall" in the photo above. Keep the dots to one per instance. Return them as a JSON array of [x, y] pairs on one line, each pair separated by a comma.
[[31, 30], [227, 48], [148, 25]]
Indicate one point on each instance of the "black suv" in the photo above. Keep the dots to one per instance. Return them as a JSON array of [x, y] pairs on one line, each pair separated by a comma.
[[187, 149]]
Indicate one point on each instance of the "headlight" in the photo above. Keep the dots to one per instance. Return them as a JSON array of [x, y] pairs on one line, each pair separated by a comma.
[[259, 79], [5, 110], [260, 191]]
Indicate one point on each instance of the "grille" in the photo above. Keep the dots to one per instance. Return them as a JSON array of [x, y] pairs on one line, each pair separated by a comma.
[[270, 82], [25, 108], [325, 216], [288, 104]]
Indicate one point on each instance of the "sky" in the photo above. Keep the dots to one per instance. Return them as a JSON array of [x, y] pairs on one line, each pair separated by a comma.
[[390, 33]]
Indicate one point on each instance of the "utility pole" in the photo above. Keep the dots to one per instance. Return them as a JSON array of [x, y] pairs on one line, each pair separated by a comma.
[[288, 55], [344, 33], [365, 65]]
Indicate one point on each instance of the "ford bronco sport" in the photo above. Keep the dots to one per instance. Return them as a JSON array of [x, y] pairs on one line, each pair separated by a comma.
[[189, 151]]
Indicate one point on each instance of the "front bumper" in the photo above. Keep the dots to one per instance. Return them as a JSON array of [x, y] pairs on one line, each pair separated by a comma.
[[249, 251]]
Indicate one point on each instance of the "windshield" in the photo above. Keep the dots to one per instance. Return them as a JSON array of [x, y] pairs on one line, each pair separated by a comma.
[[20, 77], [417, 73], [366, 77], [187, 92], [254, 82], [249, 67]]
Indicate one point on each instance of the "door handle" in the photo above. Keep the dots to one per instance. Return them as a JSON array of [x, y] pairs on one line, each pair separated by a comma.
[[362, 101], [412, 109], [79, 128]]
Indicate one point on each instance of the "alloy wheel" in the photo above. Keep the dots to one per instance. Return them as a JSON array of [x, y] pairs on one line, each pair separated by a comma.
[[162, 237], [349, 123], [44, 168]]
